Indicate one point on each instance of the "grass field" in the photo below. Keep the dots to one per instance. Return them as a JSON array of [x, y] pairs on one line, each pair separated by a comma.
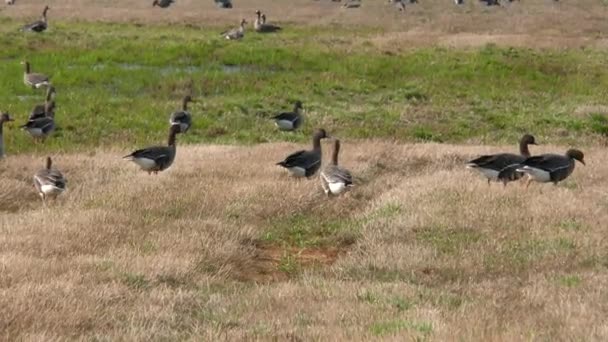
[[225, 246]]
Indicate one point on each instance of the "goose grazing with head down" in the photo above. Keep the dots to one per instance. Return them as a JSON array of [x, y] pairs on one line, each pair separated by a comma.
[[290, 121], [4, 117], [41, 127], [334, 178], [49, 182], [260, 25], [34, 80], [156, 158], [237, 33], [39, 112], [38, 25], [306, 163], [182, 118], [491, 165], [162, 3], [551, 167]]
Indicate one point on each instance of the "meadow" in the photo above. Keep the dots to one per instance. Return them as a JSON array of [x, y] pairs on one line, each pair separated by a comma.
[[226, 246]]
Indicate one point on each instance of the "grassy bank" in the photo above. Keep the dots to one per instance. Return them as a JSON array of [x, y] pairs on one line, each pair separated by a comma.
[[117, 84]]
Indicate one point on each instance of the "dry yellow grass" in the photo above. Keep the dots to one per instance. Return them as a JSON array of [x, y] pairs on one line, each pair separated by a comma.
[[432, 251]]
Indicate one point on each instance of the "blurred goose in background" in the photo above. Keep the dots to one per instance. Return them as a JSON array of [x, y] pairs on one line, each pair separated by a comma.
[[334, 178], [156, 158], [236, 33], [260, 24], [223, 3], [490, 166], [352, 4], [459, 2], [182, 118], [551, 167], [41, 127], [290, 121], [399, 4], [4, 117], [49, 182], [9, 2], [306, 163], [34, 80], [38, 25], [39, 112], [162, 3]]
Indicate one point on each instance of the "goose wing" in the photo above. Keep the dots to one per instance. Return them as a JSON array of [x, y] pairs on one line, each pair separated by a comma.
[[44, 124], [303, 159], [159, 154], [50, 177], [497, 162], [181, 117], [37, 26], [337, 174], [548, 162]]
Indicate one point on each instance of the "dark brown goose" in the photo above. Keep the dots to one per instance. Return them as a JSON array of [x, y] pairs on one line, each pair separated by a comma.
[[41, 127], [290, 121], [156, 158], [39, 110], [162, 3], [38, 25], [552, 168], [306, 163], [34, 80], [334, 178], [260, 25]]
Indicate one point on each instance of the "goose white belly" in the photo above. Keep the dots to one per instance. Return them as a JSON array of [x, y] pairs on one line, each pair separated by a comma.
[[285, 125], [49, 189], [36, 132], [297, 171], [337, 187], [145, 163], [538, 175]]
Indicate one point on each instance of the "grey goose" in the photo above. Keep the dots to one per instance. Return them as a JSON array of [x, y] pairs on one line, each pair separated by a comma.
[[491, 166], [49, 182], [39, 110], [34, 80], [290, 121], [236, 33], [334, 178], [306, 163], [38, 25], [4, 117], [182, 118], [41, 127], [552, 168], [223, 3], [9, 2], [259, 25], [162, 3], [156, 158]]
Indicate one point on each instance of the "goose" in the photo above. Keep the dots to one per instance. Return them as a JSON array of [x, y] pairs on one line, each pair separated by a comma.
[[398, 4], [49, 182], [9, 2], [38, 110], [491, 165], [260, 24], [156, 158], [182, 118], [236, 33], [4, 117], [459, 2], [223, 3], [290, 121], [34, 80], [306, 163], [334, 178], [553, 168], [41, 127], [162, 3], [38, 25], [352, 4]]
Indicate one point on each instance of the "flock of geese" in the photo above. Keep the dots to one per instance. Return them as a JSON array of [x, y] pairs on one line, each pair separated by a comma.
[[335, 179]]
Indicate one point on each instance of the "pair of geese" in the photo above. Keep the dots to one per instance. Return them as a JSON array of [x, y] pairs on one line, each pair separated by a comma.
[[41, 121], [544, 168], [259, 25]]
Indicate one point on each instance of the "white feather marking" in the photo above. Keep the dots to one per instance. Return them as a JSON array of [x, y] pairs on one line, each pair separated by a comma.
[[537, 175], [284, 124], [298, 171], [144, 163]]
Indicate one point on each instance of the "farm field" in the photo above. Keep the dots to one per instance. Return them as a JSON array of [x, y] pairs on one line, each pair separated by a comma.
[[224, 245]]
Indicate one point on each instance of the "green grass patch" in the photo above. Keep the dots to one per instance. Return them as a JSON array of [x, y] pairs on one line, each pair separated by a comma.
[[569, 280]]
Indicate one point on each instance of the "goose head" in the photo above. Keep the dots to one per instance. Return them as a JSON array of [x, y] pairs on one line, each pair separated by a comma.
[[258, 13], [298, 105], [576, 155], [155, 3], [317, 136], [263, 18], [528, 139], [243, 22]]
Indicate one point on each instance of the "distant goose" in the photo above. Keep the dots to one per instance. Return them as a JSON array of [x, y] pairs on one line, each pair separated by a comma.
[[156, 158], [237, 33], [162, 3], [9, 2], [41, 127], [4, 117], [491, 2], [491, 165], [34, 80], [182, 118], [352, 4], [306, 163], [459, 2], [223, 3], [399, 4], [290, 121], [335, 179], [38, 25], [49, 182], [551, 167], [39, 112], [259, 25]]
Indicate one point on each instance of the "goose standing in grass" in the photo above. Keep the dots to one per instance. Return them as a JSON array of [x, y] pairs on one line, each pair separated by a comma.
[[41, 127], [162, 3], [491, 165], [553, 168], [49, 182], [34, 80], [223, 3], [334, 178], [259, 25], [236, 33], [290, 121], [4, 117], [39, 110], [306, 163], [182, 118], [38, 25], [156, 158], [352, 4]]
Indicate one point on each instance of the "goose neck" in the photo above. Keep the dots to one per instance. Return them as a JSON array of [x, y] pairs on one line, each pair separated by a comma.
[[523, 149], [336, 152]]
